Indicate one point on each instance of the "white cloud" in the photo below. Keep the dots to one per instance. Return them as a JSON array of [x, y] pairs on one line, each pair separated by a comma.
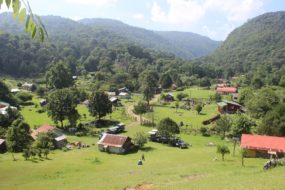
[[98, 3], [235, 10], [76, 18], [180, 12], [191, 11], [138, 16]]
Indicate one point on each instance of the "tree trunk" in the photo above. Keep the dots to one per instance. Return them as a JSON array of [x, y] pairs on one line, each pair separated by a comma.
[[234, 148], [223, 157], [61, 123]]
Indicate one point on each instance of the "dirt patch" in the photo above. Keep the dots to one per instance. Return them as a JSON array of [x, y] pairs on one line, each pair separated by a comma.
[[193, 176], [145, 186]]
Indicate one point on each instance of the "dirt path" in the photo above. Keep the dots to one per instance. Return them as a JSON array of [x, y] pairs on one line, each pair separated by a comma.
[[136, 117]]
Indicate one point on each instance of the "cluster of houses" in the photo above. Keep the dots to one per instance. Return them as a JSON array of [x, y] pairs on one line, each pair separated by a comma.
[[59, 140], [4, 106]]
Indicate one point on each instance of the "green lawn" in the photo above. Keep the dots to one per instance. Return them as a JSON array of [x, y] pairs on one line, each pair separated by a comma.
[[190, 118], [34, 119], [165, 168], [197, 92]]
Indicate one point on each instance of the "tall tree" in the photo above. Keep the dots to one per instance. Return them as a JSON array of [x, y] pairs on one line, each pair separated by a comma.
[[166, 81], [242, 125], [62, 104], [59, 76], [140, 109], [273, 123], [168, 127], [99, 105], [224, 125], [18, 136]]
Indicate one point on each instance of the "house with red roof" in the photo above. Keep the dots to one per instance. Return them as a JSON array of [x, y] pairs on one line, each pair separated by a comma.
[[59, 138], [117, 144], [226, 90], [263, 146]]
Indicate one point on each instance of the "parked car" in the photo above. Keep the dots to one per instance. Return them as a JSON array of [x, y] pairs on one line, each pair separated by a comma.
[[117, 129], [177, 142]]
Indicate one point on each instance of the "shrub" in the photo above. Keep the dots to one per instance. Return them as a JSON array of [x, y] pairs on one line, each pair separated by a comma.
[[204, 131], [24, 96]]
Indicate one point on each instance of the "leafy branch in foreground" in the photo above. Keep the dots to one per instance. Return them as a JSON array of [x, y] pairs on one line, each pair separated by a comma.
[[22, 10]]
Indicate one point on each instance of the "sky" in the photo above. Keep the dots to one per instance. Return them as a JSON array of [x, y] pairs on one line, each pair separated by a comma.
[[212, 18]]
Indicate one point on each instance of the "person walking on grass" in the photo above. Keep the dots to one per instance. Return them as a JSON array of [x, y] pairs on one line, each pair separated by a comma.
[[143, 158]]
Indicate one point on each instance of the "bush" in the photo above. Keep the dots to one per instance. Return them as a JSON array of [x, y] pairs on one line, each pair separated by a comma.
[[205, 132], [181, 95], [140, 139], [24, 96]]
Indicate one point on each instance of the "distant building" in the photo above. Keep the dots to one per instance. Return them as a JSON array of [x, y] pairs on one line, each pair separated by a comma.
[[15, 90], [3, 147], [117, 144], [221, 85], [229, 107], [263, 146], [28, 86], [115, 101], [124, 95], [111, 94], [59, 140], [86, 102], [226, 90], [124, 89], [4, 108], [169, 97]]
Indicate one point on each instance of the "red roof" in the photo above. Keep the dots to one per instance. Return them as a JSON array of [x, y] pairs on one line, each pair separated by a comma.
[[114, 140], [43, 129], [268, 143], [227, 89]]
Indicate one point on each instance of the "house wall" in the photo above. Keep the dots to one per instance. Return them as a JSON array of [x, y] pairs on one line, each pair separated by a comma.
[[60, 144], [3, 148], [250, 153], [110, 149]]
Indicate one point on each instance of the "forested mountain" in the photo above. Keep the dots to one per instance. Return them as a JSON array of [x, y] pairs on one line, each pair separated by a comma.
[[112, 59], [185, 45], [257, 47]]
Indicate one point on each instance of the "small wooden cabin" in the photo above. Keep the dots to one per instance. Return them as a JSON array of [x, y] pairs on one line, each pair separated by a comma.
[[117, 144], [59, 140], [229, 107]]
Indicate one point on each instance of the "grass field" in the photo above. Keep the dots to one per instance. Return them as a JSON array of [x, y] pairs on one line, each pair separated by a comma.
[[34, 119], [165, 168], [190, 118]]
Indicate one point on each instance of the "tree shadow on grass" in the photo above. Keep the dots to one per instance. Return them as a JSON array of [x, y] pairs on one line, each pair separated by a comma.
[[147, 149]]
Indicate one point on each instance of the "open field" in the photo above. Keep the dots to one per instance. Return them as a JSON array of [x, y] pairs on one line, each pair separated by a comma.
[[165, 168], [188, 117]]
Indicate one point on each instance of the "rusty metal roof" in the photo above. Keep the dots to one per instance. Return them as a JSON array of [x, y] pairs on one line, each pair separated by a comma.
[[113, 140]]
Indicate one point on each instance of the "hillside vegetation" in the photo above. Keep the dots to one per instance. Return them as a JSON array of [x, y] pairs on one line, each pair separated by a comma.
[[256, 47]]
